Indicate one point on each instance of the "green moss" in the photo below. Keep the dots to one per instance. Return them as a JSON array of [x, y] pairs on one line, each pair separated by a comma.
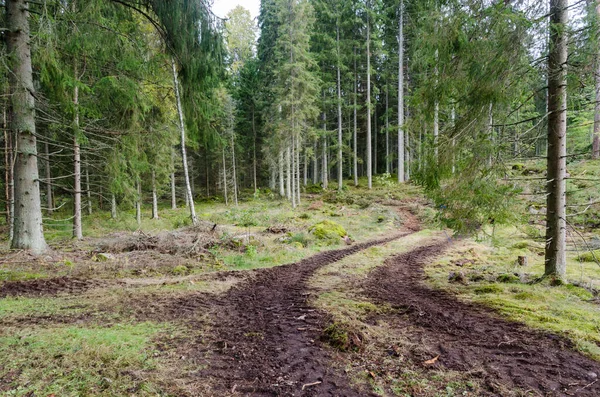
[[328, 230], [180, 270], [488, 289], [508, 278]]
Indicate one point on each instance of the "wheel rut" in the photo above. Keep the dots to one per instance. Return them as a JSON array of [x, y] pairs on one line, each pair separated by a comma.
[[266, 336], [470, 337]]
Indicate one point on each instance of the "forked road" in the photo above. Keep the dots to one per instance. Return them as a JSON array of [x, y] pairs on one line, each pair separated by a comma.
[[267, 336]]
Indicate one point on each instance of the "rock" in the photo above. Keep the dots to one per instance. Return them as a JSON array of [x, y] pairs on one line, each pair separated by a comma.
[[591, 375]]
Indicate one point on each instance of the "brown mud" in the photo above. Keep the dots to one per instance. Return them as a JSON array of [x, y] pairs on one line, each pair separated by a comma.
[[469, 337], [266, 338]]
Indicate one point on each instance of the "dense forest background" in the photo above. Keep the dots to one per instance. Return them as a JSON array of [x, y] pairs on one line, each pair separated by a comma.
[[112, 105]]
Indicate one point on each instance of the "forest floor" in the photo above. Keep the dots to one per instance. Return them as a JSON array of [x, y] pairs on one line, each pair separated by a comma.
[[214, 311]]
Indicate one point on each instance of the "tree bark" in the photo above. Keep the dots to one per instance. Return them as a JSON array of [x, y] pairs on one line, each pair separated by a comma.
[[189, 195], [113, 207], [339, 109], [281, 175], [48, 170], [325, 166], [225, 177], [369, 149], [173, 184], [138, 203], [355, 133], [401, 148], [254, 151], [288, 168], [235, 186], [596, 138], [293, 171], [154, 197], [298, 188], [87, 189], [28, 229], [387, 130], [316, 162], [557, 138]]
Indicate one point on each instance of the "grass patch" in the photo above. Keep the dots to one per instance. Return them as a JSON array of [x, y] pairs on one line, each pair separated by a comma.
[[76, 361], [566, 309]]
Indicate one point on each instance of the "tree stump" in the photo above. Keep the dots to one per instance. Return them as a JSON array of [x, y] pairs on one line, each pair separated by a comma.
[[522, 261]]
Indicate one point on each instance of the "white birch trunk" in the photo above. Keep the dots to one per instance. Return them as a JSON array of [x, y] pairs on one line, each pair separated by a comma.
[[186, 176], [293, 171]]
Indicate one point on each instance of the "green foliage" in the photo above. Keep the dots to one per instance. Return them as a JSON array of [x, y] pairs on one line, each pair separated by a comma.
[[590, 256]]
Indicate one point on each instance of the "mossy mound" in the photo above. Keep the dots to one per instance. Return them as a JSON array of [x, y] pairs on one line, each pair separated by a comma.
[[328, 230]]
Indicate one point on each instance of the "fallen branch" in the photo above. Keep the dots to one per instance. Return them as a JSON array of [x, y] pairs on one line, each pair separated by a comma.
[[311, 384]]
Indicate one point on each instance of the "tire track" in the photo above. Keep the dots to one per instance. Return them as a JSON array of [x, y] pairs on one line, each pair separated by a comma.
[[471, 337], [267, 335]]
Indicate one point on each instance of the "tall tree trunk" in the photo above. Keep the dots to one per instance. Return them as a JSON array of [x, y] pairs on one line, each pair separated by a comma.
[[596, 138], [355, 133], [436, 110], [491, 132], [235, 187], [288, 168], [9, 162], [254, 167], [293, 171], [340, 158], [401, 148], [154, 197], [113, 207], [28, 229], [556, 227], [387, 130], [316, 162], [48, 170], [375, 140], [325, 166], [305, 167], [281, 175], [225, 177], [186, 176], [138, 203], [453, 116], [298, 188], [369, 149], [173, 184], [88, 191]]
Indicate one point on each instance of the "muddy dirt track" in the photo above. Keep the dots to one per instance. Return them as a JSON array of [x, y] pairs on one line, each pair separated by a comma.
[[468, 337], [268, 336]]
